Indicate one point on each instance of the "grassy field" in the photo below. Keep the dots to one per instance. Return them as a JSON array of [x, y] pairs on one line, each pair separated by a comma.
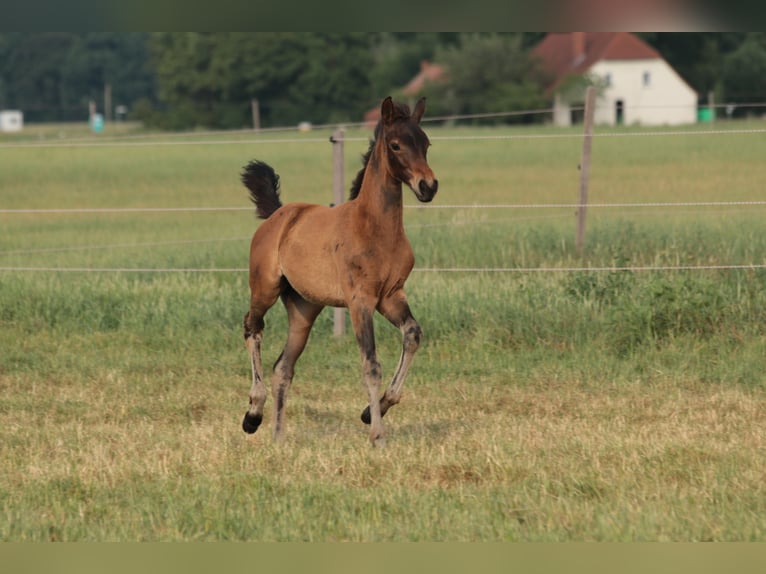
[[542, 406]]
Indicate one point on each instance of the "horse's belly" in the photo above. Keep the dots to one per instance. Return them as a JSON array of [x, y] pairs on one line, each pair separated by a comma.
[[315, 279], [315, 292]]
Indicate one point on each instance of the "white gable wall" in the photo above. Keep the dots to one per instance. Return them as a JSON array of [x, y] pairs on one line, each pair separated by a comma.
[[665, 99]]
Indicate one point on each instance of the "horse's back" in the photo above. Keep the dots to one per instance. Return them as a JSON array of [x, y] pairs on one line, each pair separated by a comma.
[[283, 223]]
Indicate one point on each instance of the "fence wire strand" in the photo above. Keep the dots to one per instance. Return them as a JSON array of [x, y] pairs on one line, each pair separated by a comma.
[[309, 139], [662, 204], [584, 269]]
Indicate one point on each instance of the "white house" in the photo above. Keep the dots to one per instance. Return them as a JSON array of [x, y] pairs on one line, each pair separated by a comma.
[[635, 84], [11, 121]]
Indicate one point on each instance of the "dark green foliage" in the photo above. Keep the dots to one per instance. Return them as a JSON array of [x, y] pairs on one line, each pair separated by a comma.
[[52, 76], [398, 56], [487, 73], [209, 79], [744, 70], [180, 80]]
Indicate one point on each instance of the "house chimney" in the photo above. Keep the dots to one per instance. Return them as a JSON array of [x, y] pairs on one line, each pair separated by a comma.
[[578, 48]]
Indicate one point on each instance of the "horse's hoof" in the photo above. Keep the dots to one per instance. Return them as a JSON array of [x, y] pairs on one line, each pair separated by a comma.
[[251, 423], [379, 442], [366, 418]]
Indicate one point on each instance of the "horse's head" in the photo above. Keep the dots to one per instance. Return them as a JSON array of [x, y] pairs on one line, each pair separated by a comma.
[[406, 145]]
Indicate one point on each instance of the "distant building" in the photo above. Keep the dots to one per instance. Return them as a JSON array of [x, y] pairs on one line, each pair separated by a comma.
[[636, 85], [429, 72], [11, 121]]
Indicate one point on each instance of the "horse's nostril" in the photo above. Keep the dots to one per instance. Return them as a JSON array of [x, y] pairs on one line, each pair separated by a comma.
[[425, 188]]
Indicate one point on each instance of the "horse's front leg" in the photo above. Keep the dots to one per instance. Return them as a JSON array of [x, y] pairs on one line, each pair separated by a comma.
[[361, 319], [397, 311]]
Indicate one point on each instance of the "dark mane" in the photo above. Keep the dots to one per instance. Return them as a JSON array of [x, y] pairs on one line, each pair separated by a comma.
[[401, 111], [356, 185]]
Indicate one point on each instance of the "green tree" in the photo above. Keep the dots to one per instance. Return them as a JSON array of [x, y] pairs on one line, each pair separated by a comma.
[[744, 71], [487, 73], [51, 76], [333, 82], [101, 58], [209, 79], [34, 73], [697, 57], [397, 57], [182, 64]]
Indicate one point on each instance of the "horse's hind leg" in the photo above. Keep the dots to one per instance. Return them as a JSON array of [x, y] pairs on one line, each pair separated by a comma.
[[253, 338], [301, 315], [397, 311], [263, 295]]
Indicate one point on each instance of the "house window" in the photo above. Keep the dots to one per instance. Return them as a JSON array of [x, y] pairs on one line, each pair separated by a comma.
[[647, 79], [608, 79]]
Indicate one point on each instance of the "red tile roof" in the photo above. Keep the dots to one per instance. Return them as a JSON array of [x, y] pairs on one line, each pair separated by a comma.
[[573, 53], [428, 73]]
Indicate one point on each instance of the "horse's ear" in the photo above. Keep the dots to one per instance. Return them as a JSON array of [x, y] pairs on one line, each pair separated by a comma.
[[420, 107], [387, 110]]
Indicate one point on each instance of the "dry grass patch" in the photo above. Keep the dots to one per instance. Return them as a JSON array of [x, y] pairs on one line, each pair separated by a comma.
[[672, 460]]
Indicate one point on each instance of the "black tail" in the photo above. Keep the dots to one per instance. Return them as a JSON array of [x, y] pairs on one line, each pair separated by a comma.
[[263, 184]]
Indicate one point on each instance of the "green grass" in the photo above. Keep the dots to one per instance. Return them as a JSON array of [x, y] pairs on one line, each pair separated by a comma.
[[555, 406]]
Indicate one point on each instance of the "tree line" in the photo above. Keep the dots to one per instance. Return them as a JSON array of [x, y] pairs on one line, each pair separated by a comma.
[[181, 80]]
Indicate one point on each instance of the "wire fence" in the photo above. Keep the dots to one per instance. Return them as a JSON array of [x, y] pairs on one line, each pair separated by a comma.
[[581, 269], [307, 139], [658, 204], [451, 119], [252, 137]]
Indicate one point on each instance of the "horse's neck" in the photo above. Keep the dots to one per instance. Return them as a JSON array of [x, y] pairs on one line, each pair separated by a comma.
[[381, 197]]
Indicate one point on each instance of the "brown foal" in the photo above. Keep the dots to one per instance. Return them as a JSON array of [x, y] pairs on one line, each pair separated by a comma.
[[353, 255]]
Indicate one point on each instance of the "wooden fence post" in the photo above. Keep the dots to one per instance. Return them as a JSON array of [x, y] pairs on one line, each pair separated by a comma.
[[339, 314], [107, 103], [255, 108], [590, 104]]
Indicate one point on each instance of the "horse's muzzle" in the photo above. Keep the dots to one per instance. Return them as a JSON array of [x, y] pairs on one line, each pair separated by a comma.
[[425, 192]]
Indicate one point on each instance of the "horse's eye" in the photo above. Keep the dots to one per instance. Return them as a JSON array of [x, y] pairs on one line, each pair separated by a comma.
[[395, 146]]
